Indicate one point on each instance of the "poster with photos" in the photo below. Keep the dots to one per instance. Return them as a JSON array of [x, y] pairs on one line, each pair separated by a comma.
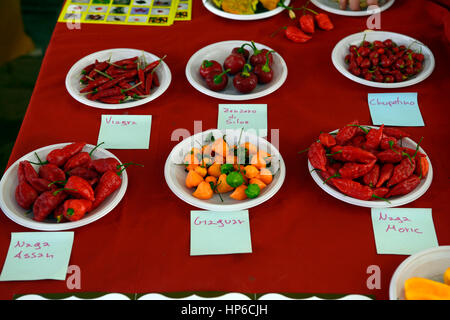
[[125, 12]]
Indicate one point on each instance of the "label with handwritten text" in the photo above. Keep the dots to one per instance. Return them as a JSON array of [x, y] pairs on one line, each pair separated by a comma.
[[403, 230], [395, 109], [246, 116]]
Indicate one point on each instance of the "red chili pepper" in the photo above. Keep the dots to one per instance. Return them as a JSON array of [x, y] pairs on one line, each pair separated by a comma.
[[404, 187], [381, 192], [114, 100], [85, 173], [46, 203], [156, 82], [323, 20], [396, 133], [373, 138], [352, 170], [113, 82], [347, 133], [126, 85], [353, 189], [60, 156], [79, 160], [412, 152], [153, 65], [402, 171], [94, 84], [88, 69], [104, 164], [51, 172], [116, 91], [352, 154], [25, 195], [78, 187], [422, 167], [58, 214], [387, 142], [126, 61], [327, 139], [42, 185], [75, 209], [26, 171], [148, 82], [109, 182], [296, 35], [307, 23], [317, 156], [358, 141], [371, 178], [390, 156], [385, 174]]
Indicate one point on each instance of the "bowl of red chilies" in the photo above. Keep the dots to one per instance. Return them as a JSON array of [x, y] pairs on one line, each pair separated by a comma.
[[368, 166], [118, 78], [62, 186]]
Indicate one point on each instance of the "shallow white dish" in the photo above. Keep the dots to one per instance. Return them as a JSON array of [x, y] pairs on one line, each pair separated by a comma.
[[73, 77], [219, 51], [175, 173], [17, 214], [341, 50], [394, 201], [257, 16], [430, 264], [333, 7]]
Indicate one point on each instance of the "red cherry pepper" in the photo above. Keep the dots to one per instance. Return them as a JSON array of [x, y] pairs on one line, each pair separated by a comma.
[[385, 174], [217, 81], [264, 72], [75, 209], [296, 35], [209, 66], [242, 50], [60, 156], [78, 187], [317, 156], [234, 63], [25, 195], [245, 81], [259, 56], [404, 187]]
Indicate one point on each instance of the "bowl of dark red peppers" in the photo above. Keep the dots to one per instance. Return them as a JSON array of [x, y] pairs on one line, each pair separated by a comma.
[[375, 167], [236, 70], [62, 186], [383, 59]]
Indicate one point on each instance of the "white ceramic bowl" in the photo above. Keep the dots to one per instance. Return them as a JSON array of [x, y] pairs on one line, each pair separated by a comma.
[[175, 173], [74, 86], [219, 51], [257, 16], [394, 201], [17, 214], [341, 50], [333, 7], [430, 264]]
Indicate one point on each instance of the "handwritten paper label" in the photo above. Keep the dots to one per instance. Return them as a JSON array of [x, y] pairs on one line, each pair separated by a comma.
[[251, 117], [403, 230], [37, 256], [125, 131], [395, 109], [220, 232]]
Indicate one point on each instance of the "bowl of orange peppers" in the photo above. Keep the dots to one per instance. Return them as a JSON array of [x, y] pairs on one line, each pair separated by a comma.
[[224, 170]]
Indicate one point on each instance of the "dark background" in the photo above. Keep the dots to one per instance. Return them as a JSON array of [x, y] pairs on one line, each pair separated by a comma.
[[17, 77]]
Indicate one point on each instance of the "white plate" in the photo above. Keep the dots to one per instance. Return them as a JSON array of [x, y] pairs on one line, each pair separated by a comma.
[[430, 264], [257, 16], [175, 173], [394, 201], [17, 214], [73, 77], [219, 51], [333, 7], [341, 50]]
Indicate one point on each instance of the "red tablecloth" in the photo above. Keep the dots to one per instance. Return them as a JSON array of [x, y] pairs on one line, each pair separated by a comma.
[[304, 241]]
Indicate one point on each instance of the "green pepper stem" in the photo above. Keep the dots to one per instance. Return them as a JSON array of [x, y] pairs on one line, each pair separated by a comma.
[[90, 153], [265, 67], [218, 78]]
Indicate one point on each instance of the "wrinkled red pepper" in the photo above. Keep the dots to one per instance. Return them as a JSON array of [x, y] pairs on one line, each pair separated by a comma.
[[317, 156], [60, 156], [46, 203], [25, 195], [78, 187], [109, 182], [75, 209]]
